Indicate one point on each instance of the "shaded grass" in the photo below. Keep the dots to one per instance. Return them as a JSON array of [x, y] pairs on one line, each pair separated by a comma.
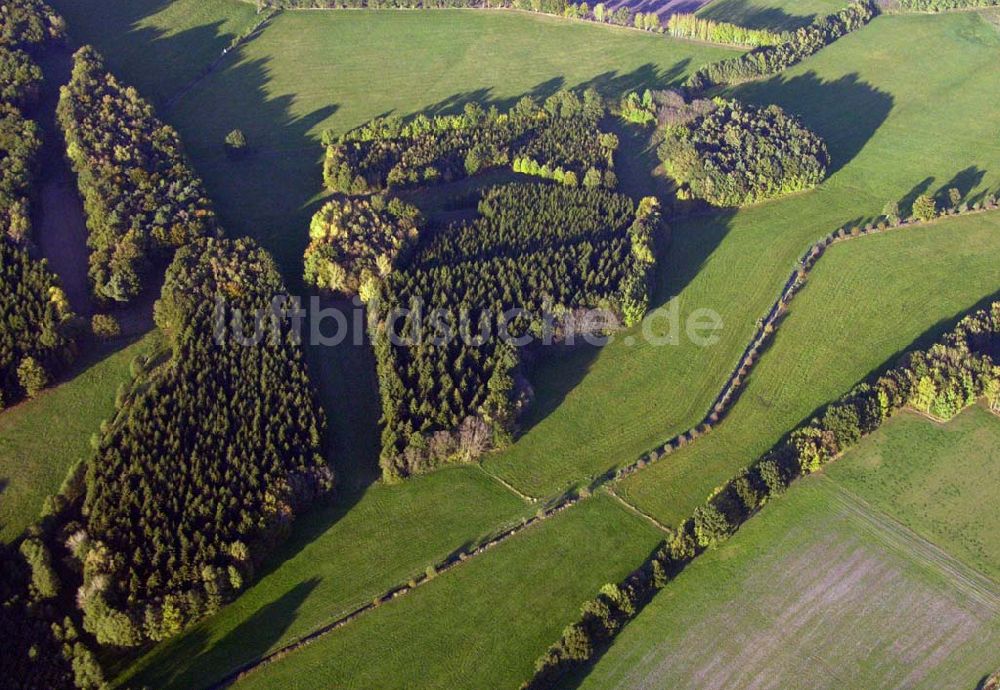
[[348, 553], [779, 15], [482, 624], [866, 301], [40, 439], [817, 591], [940, 480]]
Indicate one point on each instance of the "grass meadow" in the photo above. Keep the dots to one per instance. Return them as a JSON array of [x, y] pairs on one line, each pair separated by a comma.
[[833, 568], [40, 439], [778, 15], [866, 302], [482, 624]]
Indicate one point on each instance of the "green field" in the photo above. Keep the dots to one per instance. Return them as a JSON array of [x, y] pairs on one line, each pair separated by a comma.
[[41, 438], [821, 574], [780, 15], [482, 624], [939, 480], [879, 98], [339, 558], [866, 301]]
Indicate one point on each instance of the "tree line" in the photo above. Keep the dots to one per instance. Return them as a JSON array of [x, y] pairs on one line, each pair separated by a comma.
[[538, 248], [962, 368], [36, 341], [141, 197], [942, 5], [561, 133], [770, 59], [739, 154], [686, 25]]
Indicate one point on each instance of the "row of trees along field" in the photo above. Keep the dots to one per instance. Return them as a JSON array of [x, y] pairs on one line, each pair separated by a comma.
[[141, 197], [771, 59], [562, 134], [42, 648], [940, 5], [739, 154], [35, 342], [684, 25], [533, 247], [212, 451], [941, 381]]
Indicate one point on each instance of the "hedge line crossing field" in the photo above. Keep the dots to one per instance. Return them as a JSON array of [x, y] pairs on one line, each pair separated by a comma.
[[818, 575], [877, 98], [482, 624], [858, 310]]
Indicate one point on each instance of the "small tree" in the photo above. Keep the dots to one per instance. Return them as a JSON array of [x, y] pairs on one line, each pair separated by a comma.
[[105, 326], [891, 213], [236, 144], [32, 376], [924, 208], [954, 197], [710, 526]]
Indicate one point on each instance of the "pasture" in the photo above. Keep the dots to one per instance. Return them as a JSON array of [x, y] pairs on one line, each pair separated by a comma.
[[821, 574], [40, 439], [779, 15], [866, 302]]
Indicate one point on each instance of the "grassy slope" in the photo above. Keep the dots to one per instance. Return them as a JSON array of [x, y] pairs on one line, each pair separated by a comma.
[[482, 624], [159, 45], [907, 101], [41, 438], [337, 559], [866, 301], [780, 15], [816, 577], [940, 480]]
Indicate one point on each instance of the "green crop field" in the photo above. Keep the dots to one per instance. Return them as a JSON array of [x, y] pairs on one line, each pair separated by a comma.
[[780, 15], [821, 574], [482, 624], [40, 439], [866, 301], [937, 479]]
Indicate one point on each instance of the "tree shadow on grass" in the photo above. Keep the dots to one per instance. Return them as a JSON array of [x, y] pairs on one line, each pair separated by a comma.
[[254, 637], [845, 112], [750, 14]]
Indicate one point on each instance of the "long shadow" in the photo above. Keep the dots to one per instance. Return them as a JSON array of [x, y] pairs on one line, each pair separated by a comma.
[[845, 112], [256, 635], [750, 14], [964, 181]]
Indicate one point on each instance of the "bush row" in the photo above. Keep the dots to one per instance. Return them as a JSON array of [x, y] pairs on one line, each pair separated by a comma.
[[941, 381], [684, 25], [942, 5], [771, 59], [141, 197], [386, 152]]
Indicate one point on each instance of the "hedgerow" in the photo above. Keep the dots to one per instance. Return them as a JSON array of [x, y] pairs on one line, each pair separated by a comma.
[[941, 5], [740, 154], [962, 368], [771, 59], [211, 454], [537, 248], [561, 134], [141, 197], [686, 25]]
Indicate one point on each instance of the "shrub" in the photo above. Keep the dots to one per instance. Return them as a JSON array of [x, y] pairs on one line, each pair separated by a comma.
[[924, 208], [236, 144], [32, 376], [105, 326]]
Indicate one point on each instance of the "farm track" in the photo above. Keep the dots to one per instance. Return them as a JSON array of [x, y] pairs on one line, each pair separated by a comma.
[[901, 539], [973, 584]]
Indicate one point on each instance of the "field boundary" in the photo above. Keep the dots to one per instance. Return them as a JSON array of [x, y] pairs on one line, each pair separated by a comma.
[[752, 354]]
